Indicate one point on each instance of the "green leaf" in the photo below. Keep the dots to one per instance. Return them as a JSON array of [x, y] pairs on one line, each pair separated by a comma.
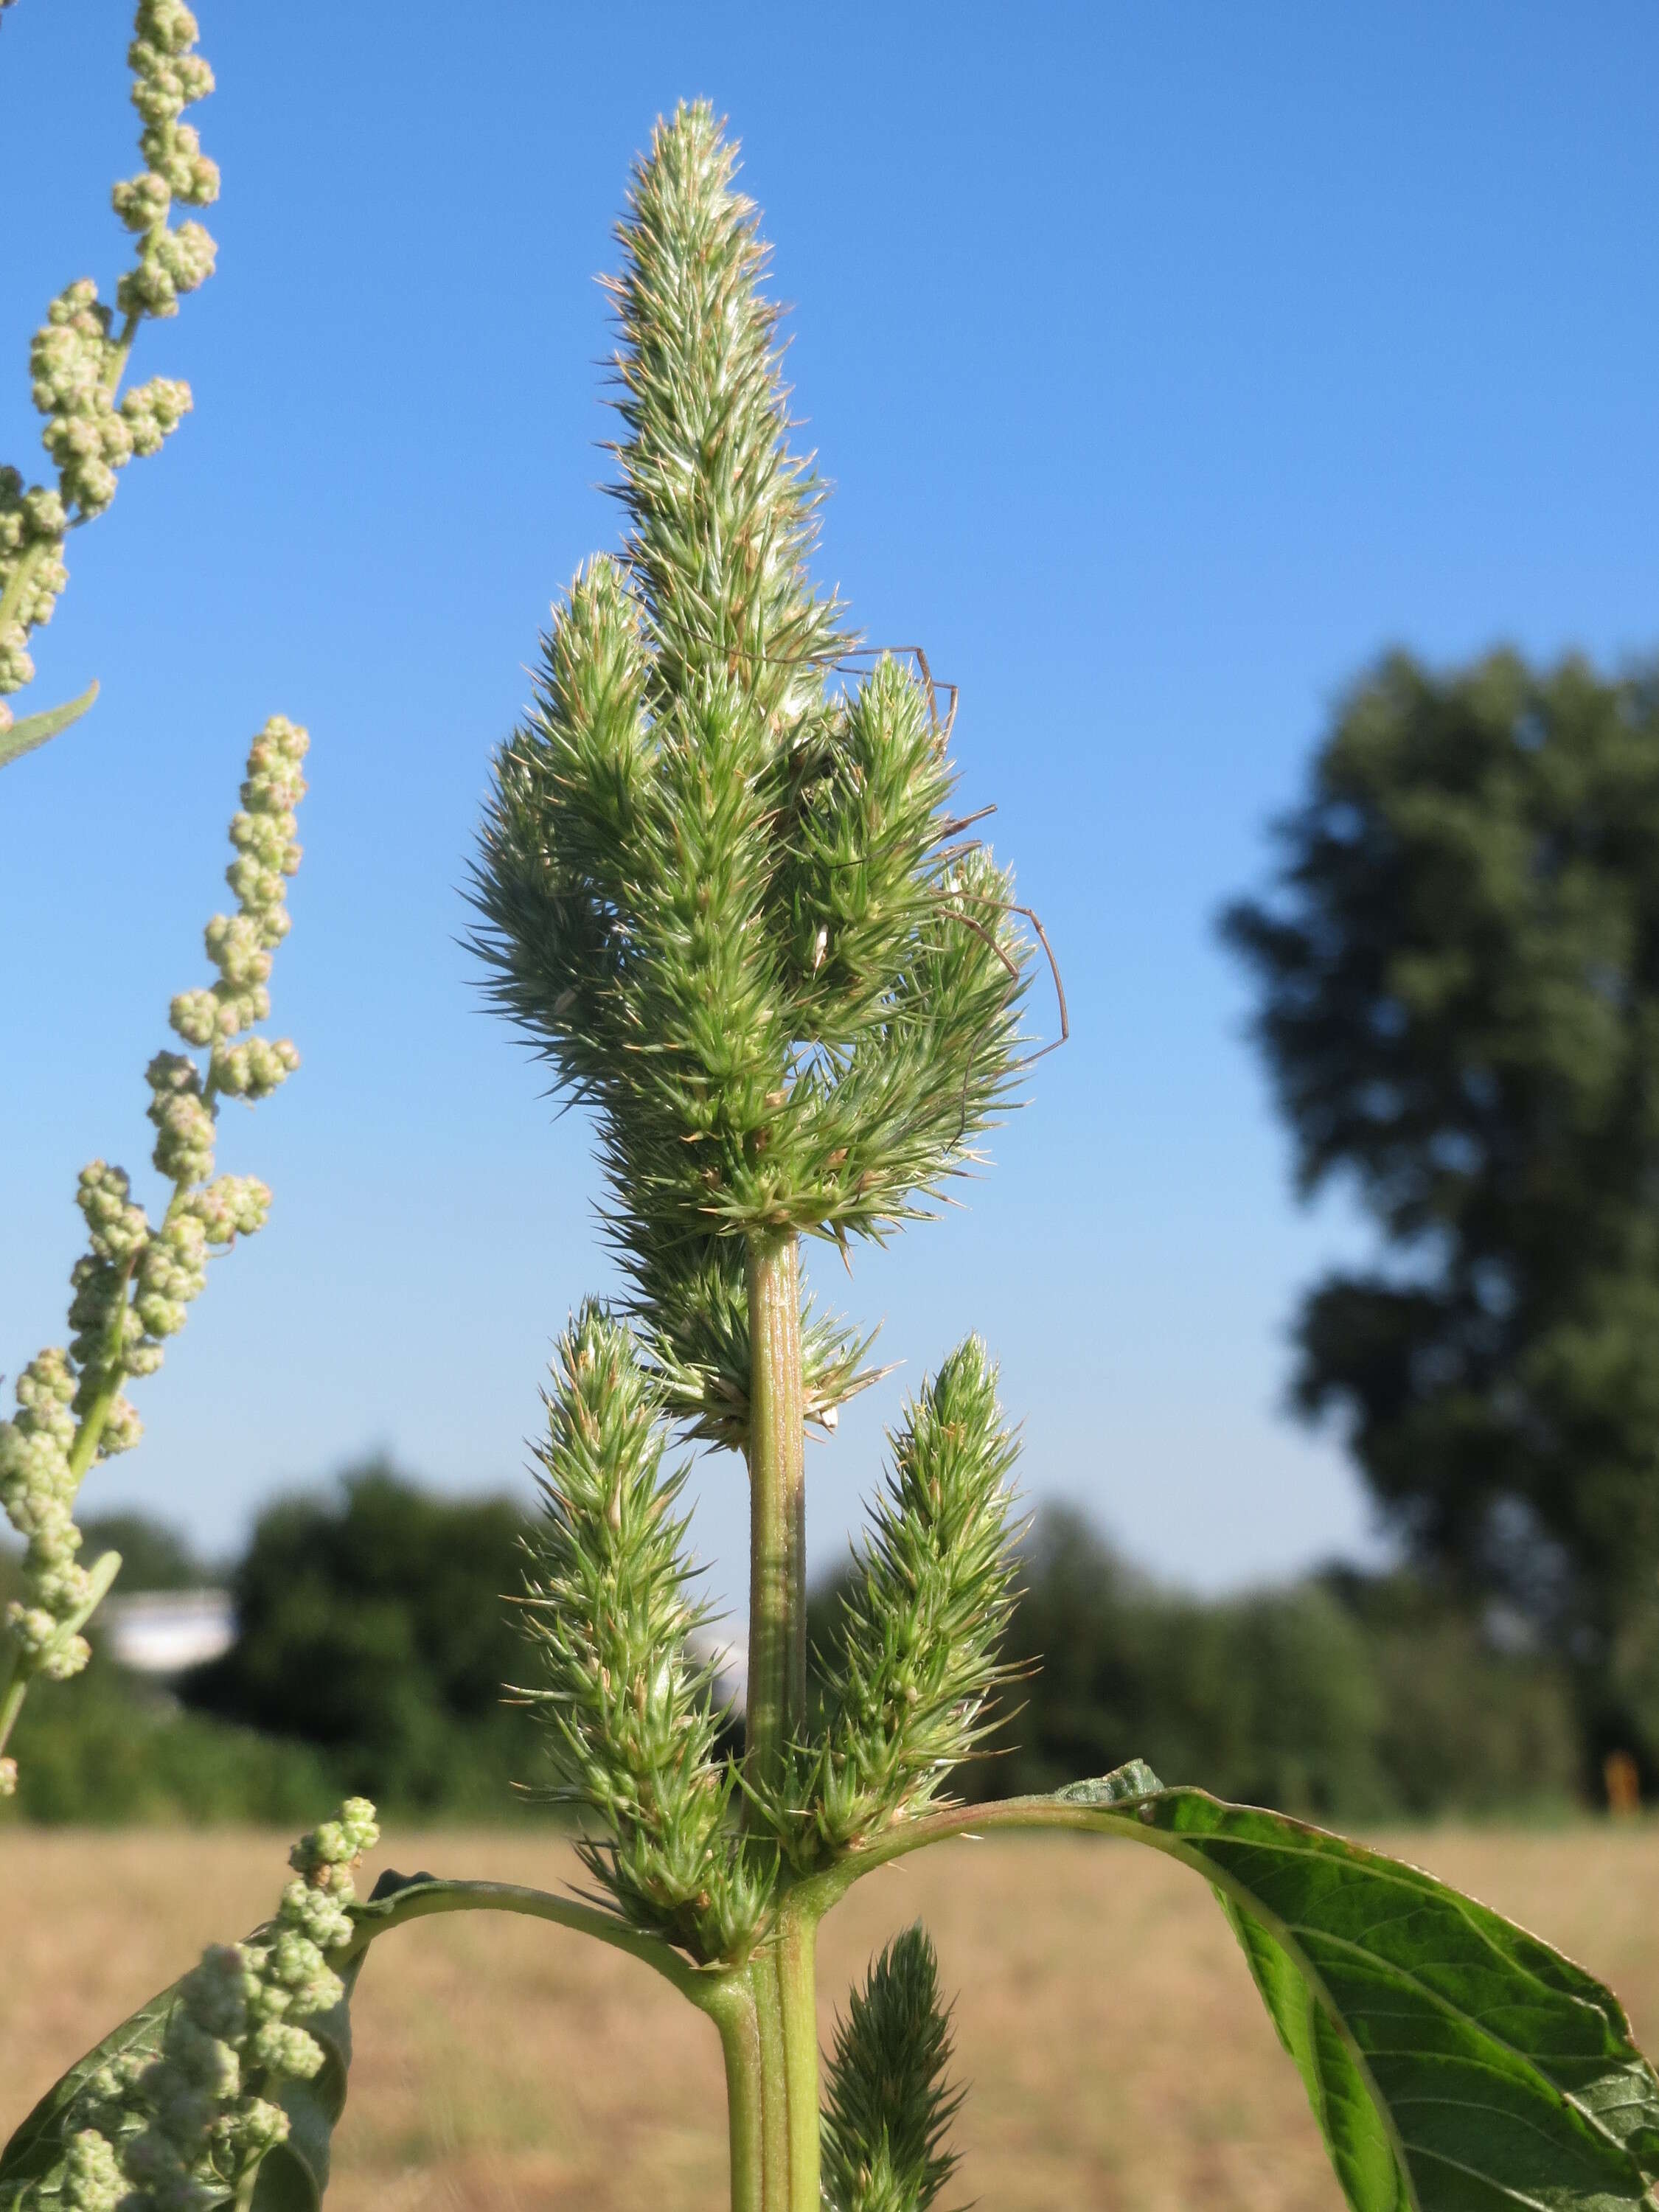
[[293, 2176], [34, 729], [39, 2142], [1453, 2061]]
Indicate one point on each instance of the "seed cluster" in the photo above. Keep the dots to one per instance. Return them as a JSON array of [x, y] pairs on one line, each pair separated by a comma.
[[174, 2132], [78, 355], [134, 1284]]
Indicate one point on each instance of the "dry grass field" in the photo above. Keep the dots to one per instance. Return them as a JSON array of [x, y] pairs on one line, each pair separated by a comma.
[[1115, 2051]]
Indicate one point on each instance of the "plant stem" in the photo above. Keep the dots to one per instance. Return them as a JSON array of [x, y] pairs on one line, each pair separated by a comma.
[[777, 1510], [740, 2030], [775, 2163], [795, 1955], [15, 1681], [423, 1895], [16, 1689]]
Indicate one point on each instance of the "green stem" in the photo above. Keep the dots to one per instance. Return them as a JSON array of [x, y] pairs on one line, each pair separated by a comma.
[[777, 1510], [27, 562], [795, 1954], [16, 1680], [763, 2011], [775, 2166], [740, 2030], [425, 1894], [16, 1689]]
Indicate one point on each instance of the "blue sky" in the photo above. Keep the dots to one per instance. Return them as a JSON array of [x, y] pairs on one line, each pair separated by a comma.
[[1168, 364]]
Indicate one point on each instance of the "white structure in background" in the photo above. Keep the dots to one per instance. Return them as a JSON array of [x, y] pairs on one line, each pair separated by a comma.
[[165, 1631], [730, 1661]]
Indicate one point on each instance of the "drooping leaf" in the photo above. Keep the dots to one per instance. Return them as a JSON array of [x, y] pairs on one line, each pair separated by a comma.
[[38, 2144], [34, 729], [1453, 2061]]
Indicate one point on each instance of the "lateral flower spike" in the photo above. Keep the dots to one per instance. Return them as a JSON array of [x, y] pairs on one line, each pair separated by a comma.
[[135, 1283], [79, 354], [889, 2107], [913, 1661], [609, 1615]]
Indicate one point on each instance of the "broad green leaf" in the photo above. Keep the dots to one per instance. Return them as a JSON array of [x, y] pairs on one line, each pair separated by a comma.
[[38, 2145], [293, 2176], [34, 729], [1452, 2059], [1454, 2063]]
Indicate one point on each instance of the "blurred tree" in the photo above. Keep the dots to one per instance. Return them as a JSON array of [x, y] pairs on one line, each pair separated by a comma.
[[1270, 1697], [374, 1626], [1344, 1697], [154, 1556], [1460, 1006]]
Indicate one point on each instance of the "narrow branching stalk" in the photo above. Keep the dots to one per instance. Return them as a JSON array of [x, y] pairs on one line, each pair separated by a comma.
[[135, 1283], [80, 354]]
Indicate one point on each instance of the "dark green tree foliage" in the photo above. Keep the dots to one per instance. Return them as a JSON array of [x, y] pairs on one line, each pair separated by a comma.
[[889, 2108], [154, 1557], [1343, 1697], [372, 1625], [1460, 1006]]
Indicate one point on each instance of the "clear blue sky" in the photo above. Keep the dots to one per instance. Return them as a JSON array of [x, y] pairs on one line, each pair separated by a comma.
[[1168, 363]]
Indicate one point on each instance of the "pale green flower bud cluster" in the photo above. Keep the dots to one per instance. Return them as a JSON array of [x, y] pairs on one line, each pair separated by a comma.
[[134, 1284], [75, 365], [178, 2132], [78, 355], [241, 946], [32, 521], [37, 1488]]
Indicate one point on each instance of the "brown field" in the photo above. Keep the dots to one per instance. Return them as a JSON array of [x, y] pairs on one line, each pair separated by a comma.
[[1115, 2051]]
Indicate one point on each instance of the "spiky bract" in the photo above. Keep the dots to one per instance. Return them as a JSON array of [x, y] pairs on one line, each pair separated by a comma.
[[631, 1720], [714, 889], [888, 2105], [913, 1657]]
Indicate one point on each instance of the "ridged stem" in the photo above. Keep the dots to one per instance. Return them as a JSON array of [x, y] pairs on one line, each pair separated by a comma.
[[740, 2046], [777, 1510], [796, 1956]]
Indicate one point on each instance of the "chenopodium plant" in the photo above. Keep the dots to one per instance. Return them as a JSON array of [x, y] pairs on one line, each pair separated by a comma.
[[80, 354], [136, 1280], [723, 889]]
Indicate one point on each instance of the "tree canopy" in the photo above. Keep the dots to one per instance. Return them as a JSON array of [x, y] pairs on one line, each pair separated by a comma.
[[375, 1624], [1459, 974]]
